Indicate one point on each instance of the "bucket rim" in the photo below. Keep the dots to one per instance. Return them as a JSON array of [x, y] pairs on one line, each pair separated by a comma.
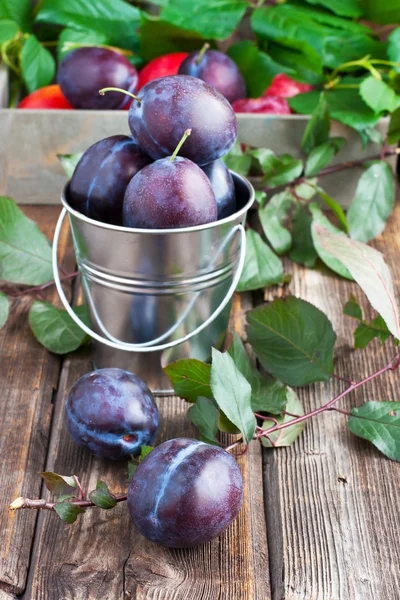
[[240, 213]]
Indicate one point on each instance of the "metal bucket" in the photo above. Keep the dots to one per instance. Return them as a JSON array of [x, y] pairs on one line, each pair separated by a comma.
[[157, 295]]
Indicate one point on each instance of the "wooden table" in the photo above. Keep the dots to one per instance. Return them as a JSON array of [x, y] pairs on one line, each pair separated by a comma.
[[320, 519]]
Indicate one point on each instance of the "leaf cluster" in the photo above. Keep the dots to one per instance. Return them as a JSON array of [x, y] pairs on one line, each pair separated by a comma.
[[289, 216]]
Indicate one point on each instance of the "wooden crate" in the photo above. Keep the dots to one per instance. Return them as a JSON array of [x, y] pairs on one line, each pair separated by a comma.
[[31, 139]]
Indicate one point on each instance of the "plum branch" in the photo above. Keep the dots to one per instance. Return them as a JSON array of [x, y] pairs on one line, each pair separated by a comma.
[[392, 365], [45, 505]]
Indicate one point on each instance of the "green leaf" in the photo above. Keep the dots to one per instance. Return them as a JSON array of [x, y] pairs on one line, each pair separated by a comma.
[[25, 253], [277, 170], [19, 11], [213, 19], [353, 309], [366, 332], [8, 29], [373, 202], [344, 8], [340, 47], [144, 451], [298, 59], [267, 395], [379, 423], [272, 217], [293, 340], [159, 37], [393, 47], [4, 309], [225, 425], [54, 328], [118, 18], [330, 261], [73, 38], [37, 64], [262, 267], [57, 484], [286, 437], [204, 416], [69, 162], [317, 129], [384, 13], [370, 271], [102, 497], [190, 378], [335, 208], [68, 512], [260, 197], [344, 105], [232, 393], [378, 95], [321, 156], [302, 250], [394, 127], [237, 160], [257, 67]]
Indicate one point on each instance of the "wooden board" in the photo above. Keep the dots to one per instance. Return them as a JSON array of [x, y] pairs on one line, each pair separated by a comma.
[[103, 557], [29, 375], [332, 500]]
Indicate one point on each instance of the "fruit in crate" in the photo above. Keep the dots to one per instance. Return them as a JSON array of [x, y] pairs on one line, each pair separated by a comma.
[[101, 177], [268, 105], [112, 413], [48, 97], [84, 71], [161, 67], [185, 493], [169, 105], [223, 187], [284, 86], [171, 192], [216, 69]]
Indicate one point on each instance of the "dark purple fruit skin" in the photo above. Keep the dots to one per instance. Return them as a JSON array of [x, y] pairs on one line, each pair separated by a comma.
[[223, 187], [218, 70], [85, 71], [169, 106], [102, 175], [112, 413], [169, 194], [185, 493]]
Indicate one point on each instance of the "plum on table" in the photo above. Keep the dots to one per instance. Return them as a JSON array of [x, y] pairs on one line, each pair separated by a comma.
[[216, 69], [101, 177], [82, 72], [169, 193], [223, 187], [185, 493], [112, 413]]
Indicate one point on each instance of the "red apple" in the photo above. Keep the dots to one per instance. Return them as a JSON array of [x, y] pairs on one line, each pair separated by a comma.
[[49, 96], [275, 106], [160, 67], [285, 87]]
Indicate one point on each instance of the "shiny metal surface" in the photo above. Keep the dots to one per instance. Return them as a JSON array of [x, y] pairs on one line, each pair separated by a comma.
[[142, 286]]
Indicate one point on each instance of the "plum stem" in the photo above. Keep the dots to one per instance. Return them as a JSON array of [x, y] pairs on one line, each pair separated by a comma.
[[43, 504], [114, 89], [180, 144], [202, 52]]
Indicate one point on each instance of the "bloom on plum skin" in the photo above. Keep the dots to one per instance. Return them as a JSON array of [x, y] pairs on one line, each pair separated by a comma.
[[185, 493], [112, 413]]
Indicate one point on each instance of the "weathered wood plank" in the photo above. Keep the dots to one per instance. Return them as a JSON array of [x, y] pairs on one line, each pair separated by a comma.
[[29, 374], [102, 557], [333, 500]]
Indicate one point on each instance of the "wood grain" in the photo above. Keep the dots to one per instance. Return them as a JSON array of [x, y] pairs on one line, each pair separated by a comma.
[[102, 557], [332, 499], [29, 375]]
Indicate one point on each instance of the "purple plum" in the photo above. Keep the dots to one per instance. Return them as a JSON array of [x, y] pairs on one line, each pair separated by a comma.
[[112, 413], [223, 187], [185, 493]]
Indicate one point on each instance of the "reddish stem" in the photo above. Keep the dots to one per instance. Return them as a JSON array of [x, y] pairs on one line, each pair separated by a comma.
[[42, 504], [41, 288]]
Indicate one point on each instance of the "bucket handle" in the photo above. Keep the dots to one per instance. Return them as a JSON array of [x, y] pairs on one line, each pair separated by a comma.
[[138, 347]]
